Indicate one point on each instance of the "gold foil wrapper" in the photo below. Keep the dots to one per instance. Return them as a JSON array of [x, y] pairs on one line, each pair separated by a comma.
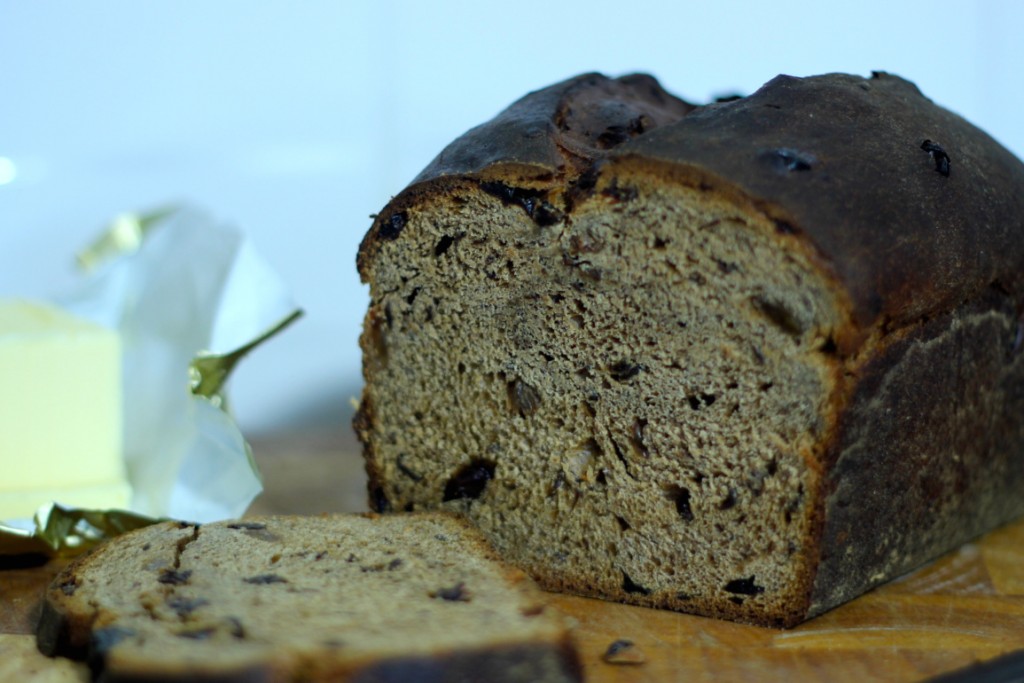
[[65, 532], [124, 235], [208, 372]]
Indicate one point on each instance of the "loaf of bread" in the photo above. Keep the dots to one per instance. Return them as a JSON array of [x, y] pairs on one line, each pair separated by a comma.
[[745, 360], [333, 598]]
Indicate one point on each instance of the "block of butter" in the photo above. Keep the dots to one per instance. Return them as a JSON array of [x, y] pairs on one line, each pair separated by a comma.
[[60, 411]]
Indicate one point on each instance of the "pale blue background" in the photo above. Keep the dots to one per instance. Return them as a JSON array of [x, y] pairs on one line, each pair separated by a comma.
[[296, 120]]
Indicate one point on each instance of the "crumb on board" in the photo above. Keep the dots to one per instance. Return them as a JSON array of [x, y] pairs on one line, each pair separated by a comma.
[[624, 651]]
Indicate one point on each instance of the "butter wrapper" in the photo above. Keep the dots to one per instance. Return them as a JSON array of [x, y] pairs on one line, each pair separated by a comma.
[[190, 298], [65, 532]]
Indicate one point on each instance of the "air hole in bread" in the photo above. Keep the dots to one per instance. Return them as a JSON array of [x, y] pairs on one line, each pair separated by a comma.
[[680, 496], [470, 480], [630, 586]]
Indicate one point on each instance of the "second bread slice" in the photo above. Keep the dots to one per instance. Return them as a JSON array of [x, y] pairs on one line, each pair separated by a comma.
[[342, 597]]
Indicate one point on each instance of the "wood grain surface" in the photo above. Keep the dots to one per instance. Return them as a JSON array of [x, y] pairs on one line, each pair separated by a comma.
[[965, 607]]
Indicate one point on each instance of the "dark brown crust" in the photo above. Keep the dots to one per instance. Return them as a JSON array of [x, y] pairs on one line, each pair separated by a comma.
[[1005, 667], [59, 632], [546, 139], [253, 675], [53, 634], [898, 497], [362, 423], [913, 248], [513, 664], [524, 664], [896, 230], [836, 157], [564, 128]]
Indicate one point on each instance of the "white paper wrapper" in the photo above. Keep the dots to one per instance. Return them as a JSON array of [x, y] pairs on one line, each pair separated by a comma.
[[190, 297], [194, 287]]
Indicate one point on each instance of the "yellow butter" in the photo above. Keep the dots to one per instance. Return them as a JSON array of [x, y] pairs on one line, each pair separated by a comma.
[[60, 411]]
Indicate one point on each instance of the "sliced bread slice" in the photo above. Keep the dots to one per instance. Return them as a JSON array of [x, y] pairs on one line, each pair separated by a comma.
[[340, 598]]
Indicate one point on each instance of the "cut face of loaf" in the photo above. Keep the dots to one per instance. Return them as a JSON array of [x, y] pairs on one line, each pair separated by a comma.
[[715, 359], [627, 405]]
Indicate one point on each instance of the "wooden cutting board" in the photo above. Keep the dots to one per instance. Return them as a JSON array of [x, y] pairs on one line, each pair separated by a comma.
[[965, 607]]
